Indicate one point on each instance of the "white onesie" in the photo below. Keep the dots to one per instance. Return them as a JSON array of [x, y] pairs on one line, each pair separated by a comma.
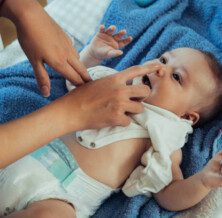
[[167, 133]]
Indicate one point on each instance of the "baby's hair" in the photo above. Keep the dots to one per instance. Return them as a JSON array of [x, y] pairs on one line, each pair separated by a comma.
[[211, 111]]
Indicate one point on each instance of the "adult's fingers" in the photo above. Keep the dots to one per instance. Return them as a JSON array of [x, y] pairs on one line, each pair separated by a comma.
[[69, 73], [136, 71], [123, 121], [80, 69], [134, 107], [138, 91], [42, 78]]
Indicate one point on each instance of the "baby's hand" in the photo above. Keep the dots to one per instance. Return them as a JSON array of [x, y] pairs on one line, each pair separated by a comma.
[[106, 45], [212, 172]]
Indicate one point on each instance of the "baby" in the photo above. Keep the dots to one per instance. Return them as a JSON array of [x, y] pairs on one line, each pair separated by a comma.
[[71, 176]]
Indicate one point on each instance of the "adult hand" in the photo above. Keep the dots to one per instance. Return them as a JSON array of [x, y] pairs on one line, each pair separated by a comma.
[[107, 101], [43, 41], [96, 104]]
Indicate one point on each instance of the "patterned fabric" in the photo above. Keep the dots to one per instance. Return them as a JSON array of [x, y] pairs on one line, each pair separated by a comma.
[[78, 17]]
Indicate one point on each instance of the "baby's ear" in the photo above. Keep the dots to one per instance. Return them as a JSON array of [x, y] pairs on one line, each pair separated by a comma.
[[192, 116]]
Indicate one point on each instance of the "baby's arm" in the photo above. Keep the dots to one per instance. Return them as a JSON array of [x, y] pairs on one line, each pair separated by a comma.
[[105, 44], [184, 193]]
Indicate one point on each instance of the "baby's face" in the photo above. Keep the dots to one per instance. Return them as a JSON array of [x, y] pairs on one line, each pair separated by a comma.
[[182, 84]]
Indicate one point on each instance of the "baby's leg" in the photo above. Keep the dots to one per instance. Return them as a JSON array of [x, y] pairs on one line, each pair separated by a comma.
[[46, 209]]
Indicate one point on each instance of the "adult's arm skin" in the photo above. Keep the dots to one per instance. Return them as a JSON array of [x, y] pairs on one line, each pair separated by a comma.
[[96, 104], [43, 41]]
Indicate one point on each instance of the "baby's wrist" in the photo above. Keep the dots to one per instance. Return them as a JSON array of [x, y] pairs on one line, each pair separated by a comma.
[[88, 58], [93, 56]]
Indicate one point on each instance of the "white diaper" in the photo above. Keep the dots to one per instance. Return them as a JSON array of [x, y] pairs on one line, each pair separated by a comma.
[[29, 180]]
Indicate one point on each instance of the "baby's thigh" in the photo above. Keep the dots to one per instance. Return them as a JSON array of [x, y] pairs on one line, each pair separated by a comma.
[[46, 209]]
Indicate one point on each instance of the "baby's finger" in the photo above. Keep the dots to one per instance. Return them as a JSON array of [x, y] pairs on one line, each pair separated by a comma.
[[110, 30], [118, 36], [124, 42], [102, 29], [114, 53]]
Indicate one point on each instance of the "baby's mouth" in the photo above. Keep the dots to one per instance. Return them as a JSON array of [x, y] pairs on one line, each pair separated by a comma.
[[146, 81]]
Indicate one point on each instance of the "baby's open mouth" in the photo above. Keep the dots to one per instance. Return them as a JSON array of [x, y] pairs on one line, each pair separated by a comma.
[[146, 81]]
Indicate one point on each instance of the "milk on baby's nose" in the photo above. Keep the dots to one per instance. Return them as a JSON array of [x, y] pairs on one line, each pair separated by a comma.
[[137, 80]]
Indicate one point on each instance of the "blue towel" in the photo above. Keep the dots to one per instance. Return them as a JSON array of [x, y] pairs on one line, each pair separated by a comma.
[[19, 94], [164, 25]]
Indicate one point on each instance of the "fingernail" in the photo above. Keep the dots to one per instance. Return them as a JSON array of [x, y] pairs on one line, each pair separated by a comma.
[[45, 91]]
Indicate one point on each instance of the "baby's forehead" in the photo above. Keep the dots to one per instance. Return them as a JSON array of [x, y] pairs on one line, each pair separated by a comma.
[[185, 51]]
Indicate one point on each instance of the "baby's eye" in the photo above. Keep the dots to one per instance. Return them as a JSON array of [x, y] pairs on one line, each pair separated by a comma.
[[163, 60], [177, 77]]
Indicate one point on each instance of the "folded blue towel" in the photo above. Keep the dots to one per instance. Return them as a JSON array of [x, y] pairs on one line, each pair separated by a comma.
[[19, 94], [164, 25]]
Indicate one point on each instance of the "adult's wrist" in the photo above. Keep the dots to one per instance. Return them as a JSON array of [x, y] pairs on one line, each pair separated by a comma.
[[18, 10], [72, 117]]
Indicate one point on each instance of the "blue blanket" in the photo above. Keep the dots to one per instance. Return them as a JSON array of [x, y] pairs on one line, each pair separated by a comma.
[[19, 94], [164, 25]]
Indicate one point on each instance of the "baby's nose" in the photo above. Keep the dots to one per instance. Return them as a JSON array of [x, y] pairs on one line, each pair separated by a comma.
[[160, 72], [163, 71]]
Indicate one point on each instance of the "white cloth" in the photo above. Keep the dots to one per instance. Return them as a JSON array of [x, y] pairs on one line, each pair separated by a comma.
[[166, 130], [78, 17]]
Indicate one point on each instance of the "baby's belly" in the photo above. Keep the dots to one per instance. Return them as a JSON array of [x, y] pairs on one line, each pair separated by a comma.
[[111, 164]]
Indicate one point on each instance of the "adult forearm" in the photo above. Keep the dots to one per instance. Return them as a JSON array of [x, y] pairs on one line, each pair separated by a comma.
[[16, 9], [96, 104], [182, 194], [24, 135]]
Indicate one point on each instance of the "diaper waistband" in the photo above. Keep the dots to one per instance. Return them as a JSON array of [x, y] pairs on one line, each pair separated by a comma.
[[57, 158]]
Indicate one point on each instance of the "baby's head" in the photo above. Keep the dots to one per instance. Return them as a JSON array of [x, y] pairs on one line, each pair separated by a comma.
[[188, 84]]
